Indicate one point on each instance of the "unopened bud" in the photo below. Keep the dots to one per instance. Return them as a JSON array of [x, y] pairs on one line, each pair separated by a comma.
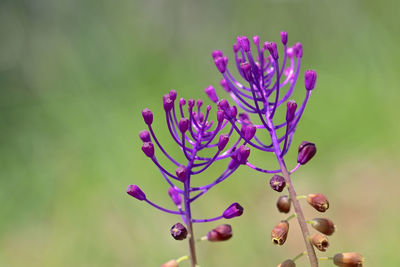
[[181, 173], [298, 50], [233, 111], [173, 94], [291, 110], [171, 263], [320, 241], [234, 210], [310, 79], [273, 50], [220, 115], [220, 233], [277, 183], [191, 103], [348, 259], [283, 204], [178, 231], [168, 103], [246, 69], [147, 116], [199, 103], [243, 154], [221, 63], [223, 104], [210, 91], [144, 136], [148, 149], [287, 263], [284, 38], [182, 102], [183, 125], [223, 140], [318, 201], [216, 54], [249, 131], [279, 233], [307, 151], [175, 196], [323, 225], [233, 164], [136, 192], [243, 41], [256, 40]]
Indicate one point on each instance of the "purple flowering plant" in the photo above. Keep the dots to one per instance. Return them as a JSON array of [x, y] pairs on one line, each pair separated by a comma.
[[268, 85], [194, 132]]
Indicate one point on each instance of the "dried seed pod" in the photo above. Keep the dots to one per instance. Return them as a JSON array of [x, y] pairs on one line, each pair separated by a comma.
[[279, 233], [178, 231], [318, 201], [320, 241], [171, 263], [220, 233], [323, 225], [283, 204], [287, 263], [348, 259]]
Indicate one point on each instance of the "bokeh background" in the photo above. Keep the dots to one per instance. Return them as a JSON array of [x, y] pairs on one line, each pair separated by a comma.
[[74, 76]]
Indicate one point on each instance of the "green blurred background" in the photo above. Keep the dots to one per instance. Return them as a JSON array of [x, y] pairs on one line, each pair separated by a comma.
[[74, 76]]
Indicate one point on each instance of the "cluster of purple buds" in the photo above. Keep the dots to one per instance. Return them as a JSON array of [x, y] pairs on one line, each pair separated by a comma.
[[192, 129], [266, 82]]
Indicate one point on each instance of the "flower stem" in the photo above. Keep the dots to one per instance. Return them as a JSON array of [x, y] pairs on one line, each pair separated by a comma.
[[189, 226], [293, 196]]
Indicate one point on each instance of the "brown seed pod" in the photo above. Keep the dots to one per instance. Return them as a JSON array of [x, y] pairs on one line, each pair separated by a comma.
[[171, 263], [348, 259], [287, 263], [283, 204], [279, 233], [318, 201], [323, 225], [320, 241]]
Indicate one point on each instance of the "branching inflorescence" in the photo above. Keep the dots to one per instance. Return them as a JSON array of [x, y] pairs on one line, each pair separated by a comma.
[[269, 85], [193, 132]]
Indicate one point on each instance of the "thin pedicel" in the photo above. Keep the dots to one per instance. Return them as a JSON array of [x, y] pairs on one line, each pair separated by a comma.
[[193, 131], [269, 83]]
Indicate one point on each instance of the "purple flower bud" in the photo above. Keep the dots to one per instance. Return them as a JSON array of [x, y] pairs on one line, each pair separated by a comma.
[[136, 192], [210, 91], [273, 50], [279, 233], [220, 233], [191, 103], [178, 231], [172, 94], [220, 116], [307, 151], [168, 103], [244, 43], [216, 54], [284, 38], [223, 104], [283, 204], [290, 52], [221, 63], [199, 103], [291, 110], [144, 136], [243, 154], [256, 40], [246, 68], [182, 102], [181, 172], [249, 132], [175, 196], [183, 125], [233, 111], [277, 183], [310, 78], [224, 85], [244, 118], [236, 47], [223, 140], [233, 211], [148, 149], [298, 50], [147, 116]]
